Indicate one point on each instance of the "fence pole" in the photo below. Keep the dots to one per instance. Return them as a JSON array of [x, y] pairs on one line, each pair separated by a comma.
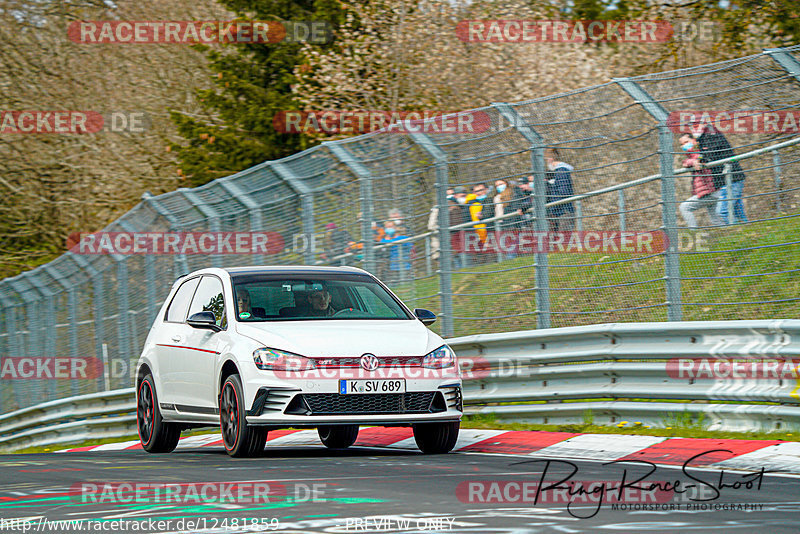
[[181, 265], [97, 296], [540, 259], [443, 217], [497, 241], [665, 157], [48, 325], [729, 201], [428, 259], [253, 211], [72, 315], [621, 202], [776, 162], [672, 271], [578, 216], [124, 321], [367, 205], [306, 205], [209, 213], [13, 350], [29, 345]]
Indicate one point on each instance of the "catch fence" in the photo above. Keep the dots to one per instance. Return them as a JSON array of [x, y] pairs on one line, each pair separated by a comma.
[[327, 204]]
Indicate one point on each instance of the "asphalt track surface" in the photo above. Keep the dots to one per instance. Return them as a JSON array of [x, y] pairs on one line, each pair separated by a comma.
[[365, 490]]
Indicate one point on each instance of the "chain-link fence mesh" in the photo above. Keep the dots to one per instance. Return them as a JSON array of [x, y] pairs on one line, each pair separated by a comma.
[[352, 202]]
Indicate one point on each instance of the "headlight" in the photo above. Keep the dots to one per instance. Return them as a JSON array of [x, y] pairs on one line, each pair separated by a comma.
[[441, 358], [278, 360]]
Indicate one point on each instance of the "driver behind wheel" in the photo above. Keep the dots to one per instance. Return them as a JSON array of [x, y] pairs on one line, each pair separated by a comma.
[[320, 301]]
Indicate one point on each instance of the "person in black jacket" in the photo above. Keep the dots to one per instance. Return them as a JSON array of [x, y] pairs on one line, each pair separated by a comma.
[[714, 146], [559, 186]]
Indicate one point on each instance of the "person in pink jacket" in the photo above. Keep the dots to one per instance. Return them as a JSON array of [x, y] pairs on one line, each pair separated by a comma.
[[704, 195]]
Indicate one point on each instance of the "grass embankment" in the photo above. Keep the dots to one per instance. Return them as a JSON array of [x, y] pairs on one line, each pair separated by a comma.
[[597, 288]]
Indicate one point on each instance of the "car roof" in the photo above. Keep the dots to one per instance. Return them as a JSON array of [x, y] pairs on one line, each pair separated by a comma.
[[259, 269]]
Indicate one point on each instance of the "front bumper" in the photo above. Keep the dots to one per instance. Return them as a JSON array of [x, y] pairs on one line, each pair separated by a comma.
[[320, 402]]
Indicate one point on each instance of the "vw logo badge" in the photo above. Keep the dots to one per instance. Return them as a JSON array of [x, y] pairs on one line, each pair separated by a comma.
[[369, 362]]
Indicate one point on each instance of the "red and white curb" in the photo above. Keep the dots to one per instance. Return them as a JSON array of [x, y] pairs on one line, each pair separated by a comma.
[[772, 455]]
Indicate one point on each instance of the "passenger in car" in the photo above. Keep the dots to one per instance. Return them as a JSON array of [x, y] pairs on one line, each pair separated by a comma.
[[243, 301]]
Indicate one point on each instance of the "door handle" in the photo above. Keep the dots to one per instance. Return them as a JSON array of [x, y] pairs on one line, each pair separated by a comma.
[[176, 339]]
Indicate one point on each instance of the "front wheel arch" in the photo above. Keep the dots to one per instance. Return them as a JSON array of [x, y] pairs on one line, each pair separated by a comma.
[[228, 368]]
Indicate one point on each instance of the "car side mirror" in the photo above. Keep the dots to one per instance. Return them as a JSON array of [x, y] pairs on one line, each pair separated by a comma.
[[426, 316], [204, 319]]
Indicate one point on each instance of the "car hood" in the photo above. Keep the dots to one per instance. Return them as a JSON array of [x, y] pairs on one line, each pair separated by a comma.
[[330, 337]]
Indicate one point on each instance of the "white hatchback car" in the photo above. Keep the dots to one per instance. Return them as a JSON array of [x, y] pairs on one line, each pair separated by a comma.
[[259, 348]]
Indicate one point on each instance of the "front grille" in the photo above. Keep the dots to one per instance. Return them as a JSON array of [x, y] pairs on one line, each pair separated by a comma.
[[383, 403], [385, 361]]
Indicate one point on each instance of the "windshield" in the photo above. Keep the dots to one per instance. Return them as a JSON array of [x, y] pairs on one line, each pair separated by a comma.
[[299, 297]]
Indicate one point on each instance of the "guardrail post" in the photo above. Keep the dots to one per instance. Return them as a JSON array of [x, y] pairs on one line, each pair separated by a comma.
[[540, 259], [306, 205], [776, 162], [443, 218], [668, 202], [621, 202], [365, 189]]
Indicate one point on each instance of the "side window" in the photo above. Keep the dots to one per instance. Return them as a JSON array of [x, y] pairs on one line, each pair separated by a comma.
[[208, 297], [176, 313], [373, 303]]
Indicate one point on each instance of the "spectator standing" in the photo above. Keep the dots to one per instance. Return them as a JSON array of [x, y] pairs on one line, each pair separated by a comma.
[[559, 186], [509, 199], [400, 255], [455, 212], [714, 146], [337, 241], [704, 195]]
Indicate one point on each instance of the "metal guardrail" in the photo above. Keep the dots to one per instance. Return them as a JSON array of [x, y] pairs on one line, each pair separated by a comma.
[[618, 372], [608, 373], [109, 414]]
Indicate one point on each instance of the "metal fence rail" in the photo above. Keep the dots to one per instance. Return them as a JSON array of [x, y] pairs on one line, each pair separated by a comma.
[[330, 203], [607, 373]]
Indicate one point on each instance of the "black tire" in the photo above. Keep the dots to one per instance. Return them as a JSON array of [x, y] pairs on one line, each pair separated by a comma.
[[240, 439], [156, 435], [338, 436], [436, 438]]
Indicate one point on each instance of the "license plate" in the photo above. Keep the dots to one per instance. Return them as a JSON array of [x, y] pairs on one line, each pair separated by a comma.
[[363, 387]]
